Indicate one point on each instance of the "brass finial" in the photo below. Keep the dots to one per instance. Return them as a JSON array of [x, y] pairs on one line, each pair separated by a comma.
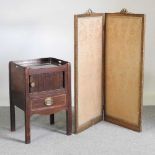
[[89, 11], [124, 10]]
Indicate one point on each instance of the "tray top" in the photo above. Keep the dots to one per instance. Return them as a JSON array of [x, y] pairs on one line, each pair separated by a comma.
[[41, 63], [35, 66]]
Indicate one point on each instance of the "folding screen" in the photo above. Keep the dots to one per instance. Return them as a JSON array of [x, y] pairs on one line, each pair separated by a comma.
[[88, 69], [124, 69], [108, 69]]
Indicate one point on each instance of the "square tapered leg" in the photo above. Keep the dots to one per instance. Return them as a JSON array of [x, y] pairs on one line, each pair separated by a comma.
[[27, 128], [12, 117], [52, 119], [69, 121]]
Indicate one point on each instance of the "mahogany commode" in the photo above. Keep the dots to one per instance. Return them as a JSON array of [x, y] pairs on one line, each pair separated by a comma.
[[40, 86]]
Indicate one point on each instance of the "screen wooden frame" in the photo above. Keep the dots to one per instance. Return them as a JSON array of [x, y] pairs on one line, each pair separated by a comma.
[[115, 120], [79, 128]]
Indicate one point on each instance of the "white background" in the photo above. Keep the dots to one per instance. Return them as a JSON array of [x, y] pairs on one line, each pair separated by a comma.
[[45, 28]]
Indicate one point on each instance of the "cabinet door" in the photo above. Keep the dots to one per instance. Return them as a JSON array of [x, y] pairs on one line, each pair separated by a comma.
[[124, 69], [46, 81]]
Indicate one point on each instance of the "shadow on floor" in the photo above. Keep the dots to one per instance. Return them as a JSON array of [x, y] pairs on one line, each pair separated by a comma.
[[37, 121], [42, 122]]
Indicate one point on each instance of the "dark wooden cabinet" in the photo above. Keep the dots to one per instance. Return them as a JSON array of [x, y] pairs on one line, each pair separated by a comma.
[[40, 86]]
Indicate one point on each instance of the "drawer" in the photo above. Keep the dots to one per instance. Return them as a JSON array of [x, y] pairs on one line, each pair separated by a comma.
[[48, 102], [46, 81]]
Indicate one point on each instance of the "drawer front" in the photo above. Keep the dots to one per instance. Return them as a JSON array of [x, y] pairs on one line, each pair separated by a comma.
[[48, 102], [46, 81]]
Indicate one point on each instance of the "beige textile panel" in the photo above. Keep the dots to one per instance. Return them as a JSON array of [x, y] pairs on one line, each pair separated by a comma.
[[88, 68], [123, 67]]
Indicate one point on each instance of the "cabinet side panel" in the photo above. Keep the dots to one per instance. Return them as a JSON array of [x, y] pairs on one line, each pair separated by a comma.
[[17, 85]]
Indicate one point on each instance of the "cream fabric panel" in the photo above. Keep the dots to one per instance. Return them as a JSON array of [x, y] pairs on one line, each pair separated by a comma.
[[89, 68], [123, 67]]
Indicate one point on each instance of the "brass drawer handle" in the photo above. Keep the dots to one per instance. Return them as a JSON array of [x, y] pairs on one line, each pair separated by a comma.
[[49, 101], [32, 84]]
